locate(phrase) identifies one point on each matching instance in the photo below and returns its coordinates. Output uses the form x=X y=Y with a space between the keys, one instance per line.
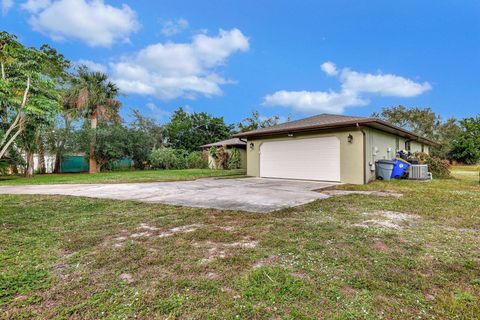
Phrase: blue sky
x=294 y=58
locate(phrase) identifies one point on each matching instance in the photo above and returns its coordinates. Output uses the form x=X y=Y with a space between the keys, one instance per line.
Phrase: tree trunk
x=29 y=169
x=58 y=160
x=41 y=156
x=92 y=161
x=2 y=66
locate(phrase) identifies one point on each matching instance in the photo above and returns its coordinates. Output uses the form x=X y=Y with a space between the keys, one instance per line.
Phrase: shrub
x=438 y=167
x=165 y=158
x=422 y=157
x=3 y=167
x=168 y=158
x=196 y=160
x=234 y=161
x=181 y=156
x=221 y=157
x=213 y=152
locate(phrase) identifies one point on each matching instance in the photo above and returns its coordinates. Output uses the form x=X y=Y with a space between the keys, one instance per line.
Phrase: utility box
x=419 y=172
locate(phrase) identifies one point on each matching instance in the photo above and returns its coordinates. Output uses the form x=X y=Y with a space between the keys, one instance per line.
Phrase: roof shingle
x=315 y=121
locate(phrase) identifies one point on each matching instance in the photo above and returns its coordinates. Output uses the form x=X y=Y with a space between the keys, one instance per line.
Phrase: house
x=327 y=147
x=230 y=144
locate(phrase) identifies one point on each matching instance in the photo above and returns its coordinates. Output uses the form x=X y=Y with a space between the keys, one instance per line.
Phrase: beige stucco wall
x=351 y=154
x=383 y=145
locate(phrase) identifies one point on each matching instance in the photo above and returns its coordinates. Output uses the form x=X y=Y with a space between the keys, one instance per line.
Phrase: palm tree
x=96 y=97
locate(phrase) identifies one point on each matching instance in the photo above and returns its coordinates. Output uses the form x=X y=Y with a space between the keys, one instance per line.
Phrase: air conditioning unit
x=419 y=172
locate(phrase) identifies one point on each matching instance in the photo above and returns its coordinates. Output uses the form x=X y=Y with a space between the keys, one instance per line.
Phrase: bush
x=438 y=167
x=466 y=147
x=165 y=158
x=422 y=157
x=234 y=160
x=168 y=158
x=196 y=160
x=221 y=157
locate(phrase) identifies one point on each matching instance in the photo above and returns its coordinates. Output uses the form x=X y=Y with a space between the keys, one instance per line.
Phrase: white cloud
x=90 y=21
x=354 y=85
x=6 y=6
x=314 y=101
x=382 y=84
x=329 y=68
x=172 y=27
x=92 y=66
x=171 y=70
x=34 y=6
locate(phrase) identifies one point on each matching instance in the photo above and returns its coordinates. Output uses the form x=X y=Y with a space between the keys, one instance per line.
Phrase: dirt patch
x=231 y=292
x=127 y=277
x=226 y=228
x=183 y=229
x=220 y=250
x=300 y=275
x=380 y=246
x=266 y=262
x=336 y=193
x=212 y=275
x=140 y=234
x=148 y=227
x=147 y=231
x=462 y=230
x=387 y=220
x=348 y=291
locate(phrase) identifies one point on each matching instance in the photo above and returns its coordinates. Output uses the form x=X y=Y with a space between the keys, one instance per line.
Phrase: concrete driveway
x=248 y=194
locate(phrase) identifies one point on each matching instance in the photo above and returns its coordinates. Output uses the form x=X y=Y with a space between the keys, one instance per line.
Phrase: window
x=407 y=145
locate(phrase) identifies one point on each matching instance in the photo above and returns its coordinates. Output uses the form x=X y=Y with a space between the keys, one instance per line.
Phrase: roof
x=229 y=142
x=332 y=121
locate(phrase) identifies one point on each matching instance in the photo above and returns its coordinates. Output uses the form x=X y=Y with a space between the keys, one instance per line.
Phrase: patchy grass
x=69 y=257
x=120 y=176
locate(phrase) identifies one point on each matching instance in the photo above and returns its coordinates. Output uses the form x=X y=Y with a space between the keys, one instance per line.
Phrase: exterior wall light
x=350 y=138
x=290 y=135
x=252 y=145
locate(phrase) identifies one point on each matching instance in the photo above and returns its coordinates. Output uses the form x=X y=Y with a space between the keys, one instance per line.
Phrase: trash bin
x=399 y=168
x=384 y=169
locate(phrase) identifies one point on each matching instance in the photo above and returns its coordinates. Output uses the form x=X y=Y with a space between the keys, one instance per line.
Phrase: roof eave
x=369 y=122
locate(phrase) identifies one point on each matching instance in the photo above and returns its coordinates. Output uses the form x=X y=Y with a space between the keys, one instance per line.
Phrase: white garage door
x=307 y=159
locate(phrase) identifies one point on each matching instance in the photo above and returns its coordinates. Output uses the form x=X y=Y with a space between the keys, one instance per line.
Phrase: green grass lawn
x=349 y=257
x=119 y=176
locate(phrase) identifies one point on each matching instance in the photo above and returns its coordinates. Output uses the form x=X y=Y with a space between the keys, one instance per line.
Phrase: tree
x=29 y=91
x=447 y=132
x=111 y=143
x=426 y=123
x=96 y=97
x=255 y=121
x=149 y=126
x=466 y=147
x=189 y=131
x=422 y=121
x=144 y=136
x=60 y=138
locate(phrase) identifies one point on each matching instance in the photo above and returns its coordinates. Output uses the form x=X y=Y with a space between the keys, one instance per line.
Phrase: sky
x=287 y=58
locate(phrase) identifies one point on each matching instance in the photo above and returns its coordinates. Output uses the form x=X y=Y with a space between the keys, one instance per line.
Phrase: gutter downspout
x=364 y=154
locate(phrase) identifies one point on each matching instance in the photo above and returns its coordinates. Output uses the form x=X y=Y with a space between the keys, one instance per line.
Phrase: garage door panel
x=309 y=159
